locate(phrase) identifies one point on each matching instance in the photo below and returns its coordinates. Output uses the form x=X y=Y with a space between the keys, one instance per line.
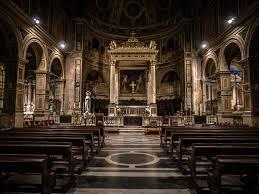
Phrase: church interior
x=136 y=96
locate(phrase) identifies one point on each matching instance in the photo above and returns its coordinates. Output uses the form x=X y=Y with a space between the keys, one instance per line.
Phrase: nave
x=132 y=163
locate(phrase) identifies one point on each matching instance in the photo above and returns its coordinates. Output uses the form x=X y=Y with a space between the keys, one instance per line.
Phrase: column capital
x=152 y=62
x=113 y=63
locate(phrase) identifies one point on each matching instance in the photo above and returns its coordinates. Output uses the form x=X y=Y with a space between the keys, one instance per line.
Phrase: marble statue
x=88 y=102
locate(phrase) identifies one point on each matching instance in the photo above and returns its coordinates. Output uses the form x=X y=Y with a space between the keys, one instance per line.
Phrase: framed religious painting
x=132 y=82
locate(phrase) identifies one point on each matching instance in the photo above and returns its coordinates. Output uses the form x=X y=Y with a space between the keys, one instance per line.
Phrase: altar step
x=131 y=129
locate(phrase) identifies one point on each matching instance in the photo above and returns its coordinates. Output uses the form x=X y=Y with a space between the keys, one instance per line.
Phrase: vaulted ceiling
x=122 y=16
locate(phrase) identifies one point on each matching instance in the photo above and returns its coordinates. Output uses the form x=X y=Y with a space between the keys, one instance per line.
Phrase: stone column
x=188 y=81
x=224 y=97
x=113 y=89
x=60 y=93
x=151 y=92
x=247 y=97
x=42 y=95
x=19 y=102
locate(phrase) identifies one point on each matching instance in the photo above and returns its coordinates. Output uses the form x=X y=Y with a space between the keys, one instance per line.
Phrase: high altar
x=132 y=78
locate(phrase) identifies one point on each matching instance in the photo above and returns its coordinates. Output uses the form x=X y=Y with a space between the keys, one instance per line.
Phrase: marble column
x=113 y=89
x=151 y=92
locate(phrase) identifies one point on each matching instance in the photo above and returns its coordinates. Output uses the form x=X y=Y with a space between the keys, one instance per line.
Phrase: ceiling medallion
x=133 y=10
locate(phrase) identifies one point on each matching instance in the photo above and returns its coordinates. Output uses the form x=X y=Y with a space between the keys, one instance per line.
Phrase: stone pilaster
x=19 y=102
x=224 y=97
x=113 y=89
x=151 y=95
x=78 y=85
x=42 y=95
x=188 y=81
x=247 y=93
x=60 y=84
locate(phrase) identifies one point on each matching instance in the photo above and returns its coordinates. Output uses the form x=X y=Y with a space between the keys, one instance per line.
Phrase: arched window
x=2 y=84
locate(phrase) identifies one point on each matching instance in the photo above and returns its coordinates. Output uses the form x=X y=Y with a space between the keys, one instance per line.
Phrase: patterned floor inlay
x=132 y=164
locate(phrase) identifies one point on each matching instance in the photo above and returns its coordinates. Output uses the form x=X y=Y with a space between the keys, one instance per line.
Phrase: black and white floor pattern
x=132 y=164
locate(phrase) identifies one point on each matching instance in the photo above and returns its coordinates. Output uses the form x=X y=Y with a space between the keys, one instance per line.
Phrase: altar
x=132 y=80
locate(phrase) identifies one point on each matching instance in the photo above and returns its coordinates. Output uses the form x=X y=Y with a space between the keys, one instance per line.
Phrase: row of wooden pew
x=220 y=160
x=46 y=159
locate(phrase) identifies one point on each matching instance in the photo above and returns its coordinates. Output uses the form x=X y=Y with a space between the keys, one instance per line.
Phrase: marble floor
x=132 y=164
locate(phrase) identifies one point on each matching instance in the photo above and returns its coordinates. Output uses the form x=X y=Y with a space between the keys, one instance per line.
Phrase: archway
x=169 y=101
x=34 y=55
x=56 y=87
x=96 y=85
x=232 y=55
x=210 y=87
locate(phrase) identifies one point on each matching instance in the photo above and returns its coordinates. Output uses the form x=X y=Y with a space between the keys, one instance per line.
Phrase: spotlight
x=204 y=44
x=36 y=20
x=62 y=45
x=231 y=20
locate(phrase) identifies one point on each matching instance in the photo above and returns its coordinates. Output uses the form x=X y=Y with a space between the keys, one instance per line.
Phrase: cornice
x=160 y=35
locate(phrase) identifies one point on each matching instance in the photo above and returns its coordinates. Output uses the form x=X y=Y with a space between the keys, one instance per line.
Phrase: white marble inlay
x=129 y=169
x=109 y=159
x=134 y=174
x=128 y=191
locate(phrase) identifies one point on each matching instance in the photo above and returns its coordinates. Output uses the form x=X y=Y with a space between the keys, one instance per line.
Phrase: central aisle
x=132 y=164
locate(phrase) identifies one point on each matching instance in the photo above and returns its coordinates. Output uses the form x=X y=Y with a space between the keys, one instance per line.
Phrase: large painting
x=132 y=81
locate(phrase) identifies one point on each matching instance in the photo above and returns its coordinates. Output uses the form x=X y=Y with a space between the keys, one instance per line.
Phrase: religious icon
x=132 y=81
x=87 y=102
x=124 y=83
x=140 y=85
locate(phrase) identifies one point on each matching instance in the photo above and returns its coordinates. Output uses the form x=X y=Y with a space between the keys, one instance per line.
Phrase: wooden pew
x=89 y=136
x=185 y=143
x=75 y=140
x=166 y=133
x=176 y=135
x=26 y=164
x=95 y=135
x=56 y=152
x=203 y=153
x=242 y=167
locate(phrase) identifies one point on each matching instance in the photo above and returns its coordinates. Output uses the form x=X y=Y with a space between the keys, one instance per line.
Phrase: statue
x=113 y=45
x=87 y=102
x=152 y=45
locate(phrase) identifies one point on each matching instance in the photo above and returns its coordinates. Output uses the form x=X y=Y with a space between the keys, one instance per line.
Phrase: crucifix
x=132 y=34
x=132 y=87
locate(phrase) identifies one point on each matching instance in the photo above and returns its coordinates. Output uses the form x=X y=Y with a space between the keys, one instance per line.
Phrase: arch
x=209 y=57
x=56 y=68
x=38 y=48
x=234 y=40
x=210 y=69
x=10 y=22
x=55 y=57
